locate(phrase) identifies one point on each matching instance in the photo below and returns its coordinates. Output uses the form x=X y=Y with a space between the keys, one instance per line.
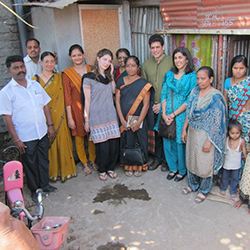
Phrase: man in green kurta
x=153 y=70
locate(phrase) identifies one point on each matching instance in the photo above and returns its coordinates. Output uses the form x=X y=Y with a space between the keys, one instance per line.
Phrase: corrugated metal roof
x=144 y=23
x=205 y=14
x=60 y=4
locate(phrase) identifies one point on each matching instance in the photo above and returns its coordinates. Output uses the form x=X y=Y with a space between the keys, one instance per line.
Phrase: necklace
x=179 y=75
x=232 y=143
x=46 y=77
x=129 y=80
x=239 y=80
x=80 y=71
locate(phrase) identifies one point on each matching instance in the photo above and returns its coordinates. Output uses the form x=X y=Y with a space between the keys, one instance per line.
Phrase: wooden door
x=100 y=29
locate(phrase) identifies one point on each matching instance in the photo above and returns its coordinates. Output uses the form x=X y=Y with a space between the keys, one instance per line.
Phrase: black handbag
x=168 y=131
x=132 y=155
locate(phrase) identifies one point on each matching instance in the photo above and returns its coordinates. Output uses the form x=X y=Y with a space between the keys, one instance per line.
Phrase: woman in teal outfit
x=180 y=80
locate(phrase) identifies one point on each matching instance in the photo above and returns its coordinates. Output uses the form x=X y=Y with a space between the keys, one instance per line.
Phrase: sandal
x=86 y=169
x=223 y=192
x=129 y=173
x=93 y=165
x=198 y=199
x=171 y=175
x=186 y=190
x=138 y=173
x=112 y=174
x=103 y=176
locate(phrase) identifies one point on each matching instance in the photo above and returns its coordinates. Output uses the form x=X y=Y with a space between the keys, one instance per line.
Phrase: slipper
x=199 y=199
x=129 y=173
x=112 y=174
x=186 y=190
x=179 y=177
x=137 y=173
x=93 y=165
x=171 y=175
x=86 y=169
x=103 y=176
x=223 y=192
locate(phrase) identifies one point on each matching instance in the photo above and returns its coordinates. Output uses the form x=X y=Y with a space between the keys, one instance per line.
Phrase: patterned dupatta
x=238 y=96
x=209 y=115
x=74 y=77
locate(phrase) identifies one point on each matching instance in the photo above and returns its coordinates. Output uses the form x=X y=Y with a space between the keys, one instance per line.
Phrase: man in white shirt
x=24 y=107
x=31 y=60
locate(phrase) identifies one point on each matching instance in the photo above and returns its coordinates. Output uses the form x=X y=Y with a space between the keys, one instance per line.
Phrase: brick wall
x=9 y=45
x=9 y=40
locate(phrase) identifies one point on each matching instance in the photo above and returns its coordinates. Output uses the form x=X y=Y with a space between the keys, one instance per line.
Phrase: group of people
x=107 y=109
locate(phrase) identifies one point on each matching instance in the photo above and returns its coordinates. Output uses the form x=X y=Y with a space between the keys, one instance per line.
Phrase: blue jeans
x=233 y=175
x=203 y=185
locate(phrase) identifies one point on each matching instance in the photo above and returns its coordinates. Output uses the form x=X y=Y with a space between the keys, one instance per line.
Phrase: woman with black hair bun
x=134 y=101
x=62 y=164
x=72 y=82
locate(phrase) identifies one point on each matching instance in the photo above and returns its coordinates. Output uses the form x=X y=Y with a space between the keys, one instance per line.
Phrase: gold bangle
x=16 y=140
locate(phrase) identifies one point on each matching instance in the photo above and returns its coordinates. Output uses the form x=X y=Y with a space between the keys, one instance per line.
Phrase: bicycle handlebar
x=18 y=207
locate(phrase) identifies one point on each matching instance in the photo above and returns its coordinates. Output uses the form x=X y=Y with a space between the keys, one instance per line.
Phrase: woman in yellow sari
x=62 y=164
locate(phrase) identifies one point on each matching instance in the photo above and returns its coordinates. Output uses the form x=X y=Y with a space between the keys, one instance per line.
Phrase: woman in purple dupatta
x=134 y=98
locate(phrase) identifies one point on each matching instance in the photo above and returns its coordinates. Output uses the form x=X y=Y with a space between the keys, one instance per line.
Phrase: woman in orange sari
x=72 y=81
x=62 y=164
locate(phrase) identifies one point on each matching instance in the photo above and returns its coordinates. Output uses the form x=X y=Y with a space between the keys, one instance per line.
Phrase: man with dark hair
x=31 y=60
x=24 y=107
x=153 y=70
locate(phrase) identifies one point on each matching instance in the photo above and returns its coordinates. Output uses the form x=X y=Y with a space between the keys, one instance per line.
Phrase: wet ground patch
x=116 y=195
x=112 y=246
x=98 y=212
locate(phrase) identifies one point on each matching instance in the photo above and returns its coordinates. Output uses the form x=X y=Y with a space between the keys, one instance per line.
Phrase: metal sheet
x=205 y=14
x=145 y=22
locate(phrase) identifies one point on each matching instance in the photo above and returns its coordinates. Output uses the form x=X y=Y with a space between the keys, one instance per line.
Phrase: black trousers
x=159 y=152
x=107 y=154
x=35 y=161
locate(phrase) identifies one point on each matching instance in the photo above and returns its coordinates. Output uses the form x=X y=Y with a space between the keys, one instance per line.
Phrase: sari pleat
x=131 y=100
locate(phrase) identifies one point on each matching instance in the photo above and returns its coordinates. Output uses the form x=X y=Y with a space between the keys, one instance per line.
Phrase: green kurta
x=154 y=73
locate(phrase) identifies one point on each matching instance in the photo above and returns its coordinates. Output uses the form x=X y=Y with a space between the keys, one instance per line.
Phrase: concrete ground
x=148 y=212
